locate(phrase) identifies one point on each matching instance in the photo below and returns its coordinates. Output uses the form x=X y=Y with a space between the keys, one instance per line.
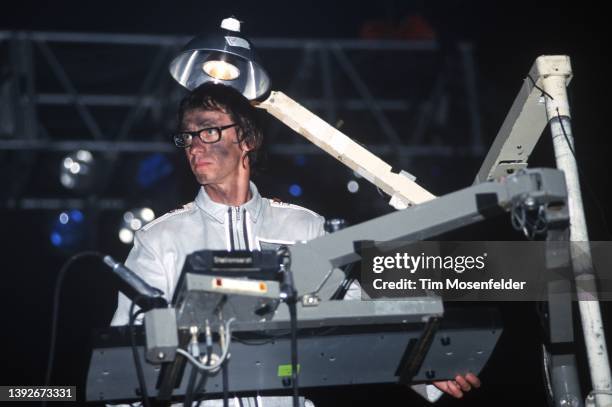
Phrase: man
x=218 y=130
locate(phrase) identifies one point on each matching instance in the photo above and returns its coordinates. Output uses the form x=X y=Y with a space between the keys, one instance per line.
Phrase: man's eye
x=210 y=132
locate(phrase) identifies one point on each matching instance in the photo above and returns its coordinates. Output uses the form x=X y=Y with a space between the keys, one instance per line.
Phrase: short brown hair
x=211 y=96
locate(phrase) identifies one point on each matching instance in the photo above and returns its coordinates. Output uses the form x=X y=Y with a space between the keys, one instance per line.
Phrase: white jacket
x=161 y=246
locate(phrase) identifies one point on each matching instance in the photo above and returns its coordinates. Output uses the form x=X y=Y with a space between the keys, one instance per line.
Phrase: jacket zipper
x=235 y=241
x=245 y=230
x=231 y=229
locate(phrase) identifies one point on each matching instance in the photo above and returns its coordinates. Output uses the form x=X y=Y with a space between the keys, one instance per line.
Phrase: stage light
x=76 y=171
x=132 y=221
x=223 y=57
x=295 y=190
x=352 y=186
x=68 y=230
x=126 y=236
x=221 y=70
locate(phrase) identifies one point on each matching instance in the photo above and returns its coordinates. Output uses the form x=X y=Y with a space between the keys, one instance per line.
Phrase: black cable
x=55 y=314
x=290 y=296
x=539 y=88
x=139 y=371
x=346 y=283
x=225 y=379
x=200 y=386
x=189 y=392
x=567 y=140
x=569 y=144
x=294 y=355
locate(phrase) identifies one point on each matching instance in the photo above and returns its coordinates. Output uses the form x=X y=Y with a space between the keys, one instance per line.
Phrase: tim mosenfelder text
x=457 y=264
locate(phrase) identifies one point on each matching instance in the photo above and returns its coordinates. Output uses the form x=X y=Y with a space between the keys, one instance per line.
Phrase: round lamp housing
x=226 y=58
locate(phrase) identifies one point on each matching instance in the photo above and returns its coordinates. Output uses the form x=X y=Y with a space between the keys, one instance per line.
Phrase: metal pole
x=558 y=115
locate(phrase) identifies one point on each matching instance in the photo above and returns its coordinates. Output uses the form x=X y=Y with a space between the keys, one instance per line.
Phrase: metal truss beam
x=280 y=149
x=58 y=204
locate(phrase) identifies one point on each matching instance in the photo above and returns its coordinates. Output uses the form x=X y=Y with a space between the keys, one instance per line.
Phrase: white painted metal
x=553 y=73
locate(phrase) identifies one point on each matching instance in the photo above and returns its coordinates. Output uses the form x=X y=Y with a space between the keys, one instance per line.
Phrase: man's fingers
x=465 y=386
x=443 y=386
x=450 y=387
x=473 y=379
x=454 y=389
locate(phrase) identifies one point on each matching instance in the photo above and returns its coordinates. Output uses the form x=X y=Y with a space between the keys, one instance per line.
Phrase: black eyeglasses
x=208 y=135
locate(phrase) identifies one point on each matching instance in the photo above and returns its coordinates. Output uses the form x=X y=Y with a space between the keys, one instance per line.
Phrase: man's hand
x=461 y=384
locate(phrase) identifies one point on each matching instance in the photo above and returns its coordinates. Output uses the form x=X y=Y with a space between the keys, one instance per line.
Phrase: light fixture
x=352 y=186
x=295 y=190
x=223 y=57
x=76 y=170
x=229 y=59
x=221 y=70
x=68 y=230
x=132 y=221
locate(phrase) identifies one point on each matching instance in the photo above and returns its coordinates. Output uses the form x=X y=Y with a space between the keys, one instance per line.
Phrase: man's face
x=219 y=162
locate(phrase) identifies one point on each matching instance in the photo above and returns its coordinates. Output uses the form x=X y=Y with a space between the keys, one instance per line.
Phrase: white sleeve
x=147 y=264
x=428 y=391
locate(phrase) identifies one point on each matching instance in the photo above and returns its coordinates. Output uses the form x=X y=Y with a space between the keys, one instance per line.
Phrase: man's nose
x=198 y=145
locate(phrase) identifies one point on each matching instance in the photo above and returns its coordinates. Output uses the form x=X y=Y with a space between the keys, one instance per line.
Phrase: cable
x=539 y=88
x=290 y=296
x=294 y=358
x=569 y=144
x=224 y=368
x=139 y=371
x=225 y=381
x=520 y=220
x=55 y=314
x=198 y=364
x=189 y=392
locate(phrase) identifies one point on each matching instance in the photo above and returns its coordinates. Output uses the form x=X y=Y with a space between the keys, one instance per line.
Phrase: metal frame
x=325 y=58
x=543 y=100
x=311 y=261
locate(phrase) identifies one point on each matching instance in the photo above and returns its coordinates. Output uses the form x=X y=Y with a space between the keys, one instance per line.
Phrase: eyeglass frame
x=196 y=133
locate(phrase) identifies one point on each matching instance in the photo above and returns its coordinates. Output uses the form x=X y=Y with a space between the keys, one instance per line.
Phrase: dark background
x=506 y=40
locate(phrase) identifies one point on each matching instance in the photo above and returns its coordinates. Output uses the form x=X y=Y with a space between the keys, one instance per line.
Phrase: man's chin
x=203 y=179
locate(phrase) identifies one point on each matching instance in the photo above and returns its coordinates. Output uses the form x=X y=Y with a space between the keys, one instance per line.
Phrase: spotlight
x=68 y=230
x=221 y=70
x=76 y=171
x=224 y=57
x=295 y=190
x=132 y=221
x=352 y=186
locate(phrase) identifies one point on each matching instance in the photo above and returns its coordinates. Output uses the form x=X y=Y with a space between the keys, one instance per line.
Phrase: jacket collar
x=218 y=210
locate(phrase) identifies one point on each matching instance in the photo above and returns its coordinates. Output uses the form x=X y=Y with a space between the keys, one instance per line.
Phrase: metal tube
x=558 y=114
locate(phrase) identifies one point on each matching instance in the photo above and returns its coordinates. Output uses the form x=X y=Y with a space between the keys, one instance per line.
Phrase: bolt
x=161 y=355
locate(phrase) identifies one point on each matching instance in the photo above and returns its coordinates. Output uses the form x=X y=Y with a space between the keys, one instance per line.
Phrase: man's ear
x=245 y=144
